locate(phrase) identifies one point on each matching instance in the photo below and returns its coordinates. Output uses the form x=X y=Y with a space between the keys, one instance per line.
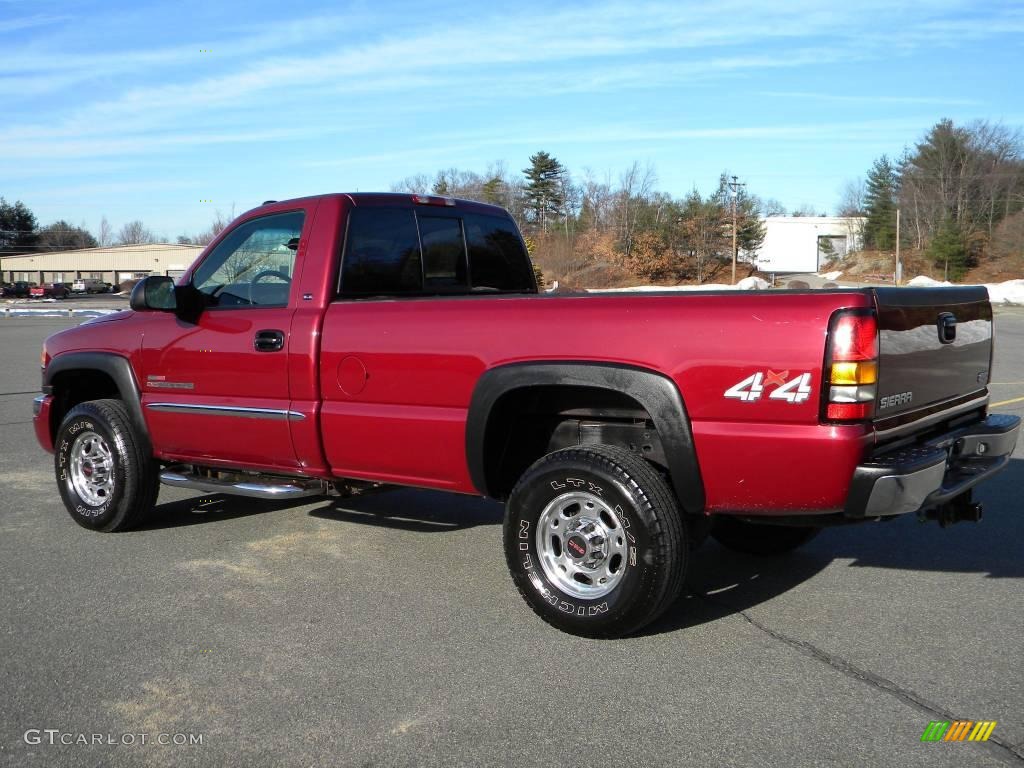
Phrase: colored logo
x=958 y=730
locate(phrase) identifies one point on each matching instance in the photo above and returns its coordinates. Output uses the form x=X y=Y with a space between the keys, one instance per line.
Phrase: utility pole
x=734 y=185
x=898 y=277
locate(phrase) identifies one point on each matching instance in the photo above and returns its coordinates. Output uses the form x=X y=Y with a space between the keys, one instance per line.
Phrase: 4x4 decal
x=795 y=390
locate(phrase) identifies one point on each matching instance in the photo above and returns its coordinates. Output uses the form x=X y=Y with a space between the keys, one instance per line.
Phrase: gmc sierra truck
x=340 y=343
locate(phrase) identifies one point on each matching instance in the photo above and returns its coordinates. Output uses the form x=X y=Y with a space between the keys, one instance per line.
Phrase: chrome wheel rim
x=581 y=545
x=92 y=468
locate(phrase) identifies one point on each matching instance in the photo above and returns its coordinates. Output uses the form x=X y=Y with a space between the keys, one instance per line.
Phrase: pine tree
x=949 y=252
x=545 y=197
x=882 y=191
x=493 y=190
x=62 y=236
x=17 y=227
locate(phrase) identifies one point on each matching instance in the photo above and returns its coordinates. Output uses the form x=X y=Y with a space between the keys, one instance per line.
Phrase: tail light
x=851 y=366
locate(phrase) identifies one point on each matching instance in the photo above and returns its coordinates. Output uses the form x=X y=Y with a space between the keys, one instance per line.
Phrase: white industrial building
x=114 y=264
x=805 y=243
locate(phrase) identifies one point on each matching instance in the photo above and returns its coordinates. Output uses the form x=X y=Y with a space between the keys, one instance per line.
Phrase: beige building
x=113 y=265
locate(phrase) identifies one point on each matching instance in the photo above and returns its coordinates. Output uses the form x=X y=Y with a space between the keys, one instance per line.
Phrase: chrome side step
x=256 y=486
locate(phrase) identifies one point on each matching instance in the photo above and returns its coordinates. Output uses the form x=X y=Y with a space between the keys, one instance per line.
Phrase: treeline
x=576 y=224
x=960 y=195
x=20 y=232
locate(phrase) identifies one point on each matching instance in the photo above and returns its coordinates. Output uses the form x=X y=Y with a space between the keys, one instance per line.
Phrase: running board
x=259 y=487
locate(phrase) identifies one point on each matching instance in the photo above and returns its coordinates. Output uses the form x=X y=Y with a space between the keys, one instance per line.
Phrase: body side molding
x=657 y=393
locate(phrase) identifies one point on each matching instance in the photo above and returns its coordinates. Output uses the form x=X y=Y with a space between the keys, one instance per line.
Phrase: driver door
x=216 y=392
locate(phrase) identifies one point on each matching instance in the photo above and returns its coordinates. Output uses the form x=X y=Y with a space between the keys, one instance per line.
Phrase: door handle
x=268 y=341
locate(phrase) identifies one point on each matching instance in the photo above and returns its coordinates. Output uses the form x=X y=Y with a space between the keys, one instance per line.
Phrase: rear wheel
x=759 y=539
x=595 y=541
x=105 y=480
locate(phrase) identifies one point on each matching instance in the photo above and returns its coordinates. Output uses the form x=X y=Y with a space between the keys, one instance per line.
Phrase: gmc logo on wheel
x=891 y=401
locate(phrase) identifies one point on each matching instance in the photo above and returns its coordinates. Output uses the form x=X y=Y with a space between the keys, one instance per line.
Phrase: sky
x=170 y=112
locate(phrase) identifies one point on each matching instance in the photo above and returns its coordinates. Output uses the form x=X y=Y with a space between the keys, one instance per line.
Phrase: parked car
x=18 y=290
x=89 y=285
x=50 y=291
x=332 y=344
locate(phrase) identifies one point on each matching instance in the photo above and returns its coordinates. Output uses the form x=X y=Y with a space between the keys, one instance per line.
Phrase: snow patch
x=925 y=282
x=751 y=283
x=1008 y=292
x=831 y=275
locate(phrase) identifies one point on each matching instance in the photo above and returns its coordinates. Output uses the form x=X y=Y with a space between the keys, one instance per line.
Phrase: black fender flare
x=657 y=393
x=119 y=370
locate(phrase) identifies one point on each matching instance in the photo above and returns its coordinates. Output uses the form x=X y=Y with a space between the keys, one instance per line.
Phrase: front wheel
x=106 y=481
x=595 y=541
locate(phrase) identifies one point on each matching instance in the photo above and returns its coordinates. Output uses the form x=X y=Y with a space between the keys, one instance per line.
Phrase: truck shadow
x=404 y=508
x=414 y=510
x=722 y=583
x=211 y=508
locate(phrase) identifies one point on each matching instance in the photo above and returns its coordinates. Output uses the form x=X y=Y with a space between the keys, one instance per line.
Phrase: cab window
x=254 y=265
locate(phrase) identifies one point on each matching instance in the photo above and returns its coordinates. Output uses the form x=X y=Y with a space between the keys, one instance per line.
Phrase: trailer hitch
x=960 y=509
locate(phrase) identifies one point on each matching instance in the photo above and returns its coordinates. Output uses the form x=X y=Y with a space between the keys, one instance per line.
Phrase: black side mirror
x=155 y=292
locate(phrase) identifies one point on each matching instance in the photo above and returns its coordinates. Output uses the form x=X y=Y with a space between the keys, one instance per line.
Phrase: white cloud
x=154 y=98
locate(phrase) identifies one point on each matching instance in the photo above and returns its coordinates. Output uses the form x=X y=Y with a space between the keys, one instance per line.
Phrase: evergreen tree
x=545 y=196
x=881 y=194
x=17 y=228
x=949 y=252
x=493 y=190
x=750 y=229
x=61 y=236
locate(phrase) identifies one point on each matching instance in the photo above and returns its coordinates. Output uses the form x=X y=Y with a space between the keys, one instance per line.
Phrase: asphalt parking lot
x=387 y=632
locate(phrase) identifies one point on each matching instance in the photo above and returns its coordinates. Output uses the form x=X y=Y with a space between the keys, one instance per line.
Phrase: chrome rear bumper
x=934 y=472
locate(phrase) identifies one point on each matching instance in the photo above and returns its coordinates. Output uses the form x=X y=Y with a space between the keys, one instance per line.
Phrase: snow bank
x=752 y=284
x=1009 y=292
x=746 y=284
x=922 y=281
x=16 y=311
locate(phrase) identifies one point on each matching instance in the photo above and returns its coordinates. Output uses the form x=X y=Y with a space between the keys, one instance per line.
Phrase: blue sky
x=117 y=108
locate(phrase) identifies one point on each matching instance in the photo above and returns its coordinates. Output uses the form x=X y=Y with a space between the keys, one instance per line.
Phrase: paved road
x=386 y=632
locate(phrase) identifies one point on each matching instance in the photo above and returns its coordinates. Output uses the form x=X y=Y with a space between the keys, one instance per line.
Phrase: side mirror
x=155 y=292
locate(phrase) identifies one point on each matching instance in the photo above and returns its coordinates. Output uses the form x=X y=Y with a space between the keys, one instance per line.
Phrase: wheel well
x=77 y=386
x=529 y=422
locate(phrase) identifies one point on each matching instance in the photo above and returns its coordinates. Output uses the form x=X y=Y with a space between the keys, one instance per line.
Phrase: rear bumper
x=932 y=473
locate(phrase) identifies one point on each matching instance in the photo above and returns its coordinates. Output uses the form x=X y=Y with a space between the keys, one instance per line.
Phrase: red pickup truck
x=334 y=344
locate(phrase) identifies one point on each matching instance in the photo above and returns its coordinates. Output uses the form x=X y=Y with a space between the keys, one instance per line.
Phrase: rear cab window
x=412 y=252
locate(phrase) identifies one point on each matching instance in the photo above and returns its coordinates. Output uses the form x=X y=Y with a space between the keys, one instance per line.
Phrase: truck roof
x=398 y=199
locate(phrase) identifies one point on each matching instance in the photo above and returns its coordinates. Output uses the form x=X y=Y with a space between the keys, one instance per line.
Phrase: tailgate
x=935 y=350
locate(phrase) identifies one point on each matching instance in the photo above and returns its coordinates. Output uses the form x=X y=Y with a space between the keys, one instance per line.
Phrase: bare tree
x=135 y=233
x=635 y=187
x=419 y=184
x=851 y=198
x=105 y=235
x=805 y=209
x=770 y=207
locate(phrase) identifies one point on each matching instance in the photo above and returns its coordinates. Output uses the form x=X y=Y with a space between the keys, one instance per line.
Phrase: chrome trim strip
x=228 y=410
x=927 y=421
x=37 y=404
